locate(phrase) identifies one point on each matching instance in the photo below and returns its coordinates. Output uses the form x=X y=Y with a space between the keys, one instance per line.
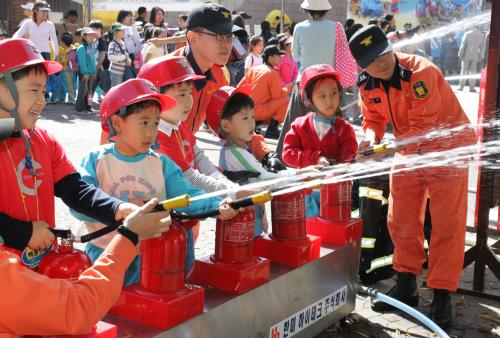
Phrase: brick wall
x=15 y=14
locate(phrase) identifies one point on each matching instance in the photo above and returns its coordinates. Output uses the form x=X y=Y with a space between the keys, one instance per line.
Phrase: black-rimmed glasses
x=219 y=37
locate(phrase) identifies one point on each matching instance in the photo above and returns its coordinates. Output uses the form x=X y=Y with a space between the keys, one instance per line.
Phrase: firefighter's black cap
x=367 y=44
x=213 y=17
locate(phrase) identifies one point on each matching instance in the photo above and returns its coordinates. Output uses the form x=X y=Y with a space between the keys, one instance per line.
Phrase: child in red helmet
x=33 y=164
x=322 y=136
x=174 y=77
x=230 y=115
x=34 y=169
x=129 y=170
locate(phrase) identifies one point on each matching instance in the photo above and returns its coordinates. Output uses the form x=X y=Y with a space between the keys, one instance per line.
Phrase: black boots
x=273 y=130
x=405 y=291
x=441 y=308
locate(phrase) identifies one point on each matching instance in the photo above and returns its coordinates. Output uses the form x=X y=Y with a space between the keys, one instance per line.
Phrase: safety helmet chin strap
x=18 y=123
x=111 y=130
x=311 y=106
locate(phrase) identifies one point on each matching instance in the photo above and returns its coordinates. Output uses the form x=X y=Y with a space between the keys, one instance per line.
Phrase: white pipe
x=408 y=309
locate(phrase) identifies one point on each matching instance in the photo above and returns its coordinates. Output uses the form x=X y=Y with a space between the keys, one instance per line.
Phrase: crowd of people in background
x=452 y=53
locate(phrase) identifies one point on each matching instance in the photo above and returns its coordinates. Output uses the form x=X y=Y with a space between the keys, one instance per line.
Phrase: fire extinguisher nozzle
x=262 y=197
x=259 y=198
x=174 y=203
x=62 y=233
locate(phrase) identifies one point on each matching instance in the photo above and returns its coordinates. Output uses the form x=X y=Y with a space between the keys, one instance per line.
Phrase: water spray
x=477 y=20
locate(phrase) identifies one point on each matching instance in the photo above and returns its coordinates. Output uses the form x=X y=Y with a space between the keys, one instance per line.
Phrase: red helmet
x=218 y=102
x=167 y=70
x=130 y=92
x=19 y=53
x=313 y=73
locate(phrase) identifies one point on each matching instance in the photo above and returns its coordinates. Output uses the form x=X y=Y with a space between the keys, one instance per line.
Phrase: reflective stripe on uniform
x=426 y=245
x=373 y=194
x=380 y=262
x=367 y=243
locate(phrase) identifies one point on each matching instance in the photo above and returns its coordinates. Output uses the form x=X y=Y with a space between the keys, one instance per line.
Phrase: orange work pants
x=272 y=109
x=447 y=188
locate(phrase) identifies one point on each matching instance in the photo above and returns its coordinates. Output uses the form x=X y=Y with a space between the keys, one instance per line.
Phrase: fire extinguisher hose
x=171 y=204
x=177 y=202
x=174 y=203
x=259 y=198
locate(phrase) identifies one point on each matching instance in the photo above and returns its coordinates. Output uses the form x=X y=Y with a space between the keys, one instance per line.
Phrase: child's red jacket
x=303 y=148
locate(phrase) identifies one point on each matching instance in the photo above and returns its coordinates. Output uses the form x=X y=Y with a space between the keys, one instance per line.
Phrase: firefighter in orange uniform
x=210 y=39
x=410 y=92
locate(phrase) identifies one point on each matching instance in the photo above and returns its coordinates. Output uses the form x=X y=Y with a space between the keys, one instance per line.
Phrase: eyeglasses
x=219 y=37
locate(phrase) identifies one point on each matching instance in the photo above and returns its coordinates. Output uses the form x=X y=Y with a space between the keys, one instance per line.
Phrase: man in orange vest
x=210 y=39
x=410 y=92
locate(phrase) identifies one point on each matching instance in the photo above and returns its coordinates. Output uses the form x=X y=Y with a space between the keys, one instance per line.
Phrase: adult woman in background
x=42 y=32
x=117 y=55
x=131 y=36
x=157 y=19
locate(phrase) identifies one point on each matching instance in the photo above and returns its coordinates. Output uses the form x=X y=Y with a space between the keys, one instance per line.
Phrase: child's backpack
x=72 y=61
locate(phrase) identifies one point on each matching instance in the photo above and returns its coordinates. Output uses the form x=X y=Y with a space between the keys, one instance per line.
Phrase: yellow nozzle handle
x=380 y=148
x=376 y=149
x=174 y=203
x=262 y=197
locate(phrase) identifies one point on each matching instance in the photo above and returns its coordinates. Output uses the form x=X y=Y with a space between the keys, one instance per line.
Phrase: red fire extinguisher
x=288 y=215
x=163 y=261
x=234 y=238
x=335 y=201
x=65 y=262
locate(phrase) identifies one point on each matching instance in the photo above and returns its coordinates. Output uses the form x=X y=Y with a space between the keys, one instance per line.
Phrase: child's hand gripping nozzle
x=259 y=198
x=174 y=203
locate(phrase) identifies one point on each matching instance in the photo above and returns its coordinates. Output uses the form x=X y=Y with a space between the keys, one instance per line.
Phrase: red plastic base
x=232 y=278
x=290 y=253
x=160 y=310
x=335 y=232
x=101 y=330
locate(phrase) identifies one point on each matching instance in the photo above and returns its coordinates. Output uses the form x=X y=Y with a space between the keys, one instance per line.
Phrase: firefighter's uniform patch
x=420 y=89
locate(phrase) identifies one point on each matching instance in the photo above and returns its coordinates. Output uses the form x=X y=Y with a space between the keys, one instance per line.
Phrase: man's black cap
x=271 y=50
x=367 y=44
x=245 y=15
x=213 y=17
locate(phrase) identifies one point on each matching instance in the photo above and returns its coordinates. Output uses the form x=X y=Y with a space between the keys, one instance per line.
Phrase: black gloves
x=272 y=162
x=241 y=176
